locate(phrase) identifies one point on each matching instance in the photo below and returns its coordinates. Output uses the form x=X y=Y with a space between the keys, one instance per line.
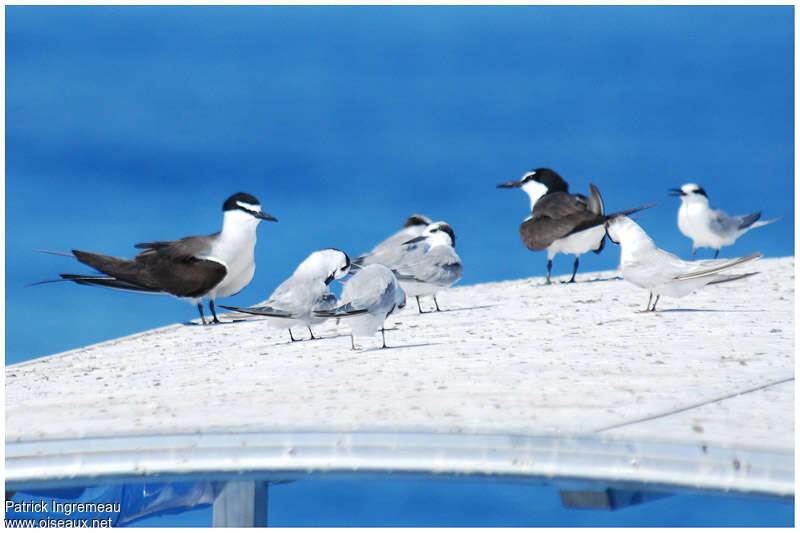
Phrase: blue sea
x=128 y=124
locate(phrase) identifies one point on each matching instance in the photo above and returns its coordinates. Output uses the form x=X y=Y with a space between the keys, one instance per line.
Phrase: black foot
x=213 y=312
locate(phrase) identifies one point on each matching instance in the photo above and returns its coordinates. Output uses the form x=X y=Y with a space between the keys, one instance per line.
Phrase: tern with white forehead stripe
x=196 y=267
x=709 y=227
x=294 y=301
x=561 y=222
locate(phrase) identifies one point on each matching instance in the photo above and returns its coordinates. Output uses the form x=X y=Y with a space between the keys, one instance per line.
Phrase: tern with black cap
x=432 y=265
x=561 y=222
x=194 y=268
x=709 y=227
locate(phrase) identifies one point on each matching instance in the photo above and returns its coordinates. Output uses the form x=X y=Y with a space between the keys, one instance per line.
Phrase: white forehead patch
x=249 y=207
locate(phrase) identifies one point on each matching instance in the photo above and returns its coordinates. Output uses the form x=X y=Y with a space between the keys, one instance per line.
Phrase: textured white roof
x=704 y=388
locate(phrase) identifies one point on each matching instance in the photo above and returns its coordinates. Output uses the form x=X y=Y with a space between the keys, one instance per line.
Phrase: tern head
x=437 y=233
x=241 y=202
x=538 y=182
x=621 y=230
x=417 y=220
x=690 y=192
x=327 y=265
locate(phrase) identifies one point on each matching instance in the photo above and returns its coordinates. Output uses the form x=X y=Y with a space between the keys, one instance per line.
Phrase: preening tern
x=307 y=290
x=660 y=272
x=368 y=297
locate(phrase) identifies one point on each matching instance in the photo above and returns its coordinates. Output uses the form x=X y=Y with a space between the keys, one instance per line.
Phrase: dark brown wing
x=178 y=249
x=554 y=216
x=185 y=276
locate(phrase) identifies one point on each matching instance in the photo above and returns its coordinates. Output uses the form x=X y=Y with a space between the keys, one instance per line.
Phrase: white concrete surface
x=711 y=373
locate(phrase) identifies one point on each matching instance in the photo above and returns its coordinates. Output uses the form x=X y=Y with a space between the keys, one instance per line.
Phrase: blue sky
x=128 y=124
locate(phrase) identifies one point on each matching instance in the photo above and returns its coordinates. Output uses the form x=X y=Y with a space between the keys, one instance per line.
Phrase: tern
x=663 y=273
x=368 y=298
x=307 y=290
x=561 y=222
x=193 y=268
x=432 y=266
x=709 y=227
x=392 y=248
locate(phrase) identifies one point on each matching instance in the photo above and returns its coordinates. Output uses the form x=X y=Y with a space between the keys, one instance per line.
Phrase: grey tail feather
x=345 y=310
x=748 y=220
x=760 y=223
x=263 y=311
x=406 y=277
x=55 y=253
x=720 y=267
x=733 y=277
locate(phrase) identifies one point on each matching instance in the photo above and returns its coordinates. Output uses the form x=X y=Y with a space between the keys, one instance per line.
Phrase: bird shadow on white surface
x=220 y=323
x=682 y=310
x=380 y=349
x=613 y=278
x=434 y=311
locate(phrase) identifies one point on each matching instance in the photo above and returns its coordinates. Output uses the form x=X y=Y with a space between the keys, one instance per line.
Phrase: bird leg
x=647 y=307
x=574 y=271
x=652 y=309
x=549 y=268
x=437 y=303
x=716 y=254
x=694 y=250
x=311 y=332
x=213 y=312
x=200 y=308
x=383 y=334
x=291 y=336
x=352 y=342
x=418 y=305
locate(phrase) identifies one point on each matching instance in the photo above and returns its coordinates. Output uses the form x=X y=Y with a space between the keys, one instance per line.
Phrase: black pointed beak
x=263 y=216
x=676 y=192
x=415 y=239
x=510 y=185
